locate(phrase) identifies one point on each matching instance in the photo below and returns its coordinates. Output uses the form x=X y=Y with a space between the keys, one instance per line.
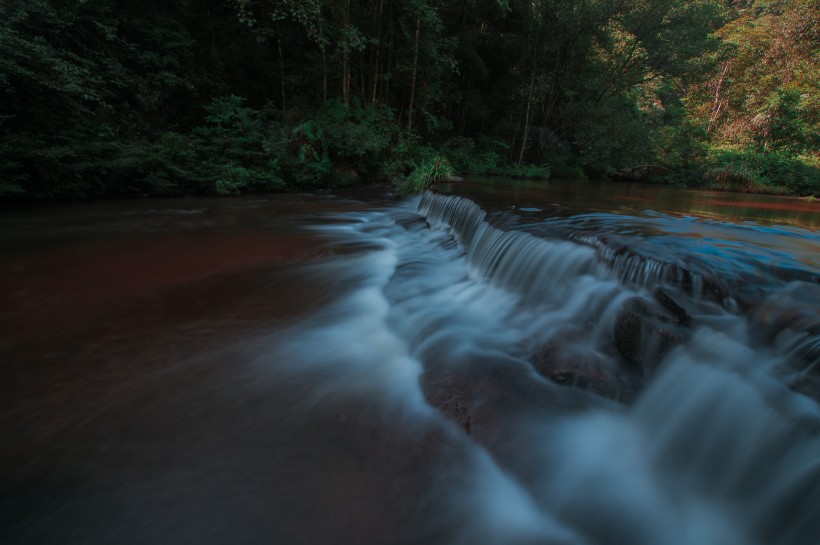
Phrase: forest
x=119 y=98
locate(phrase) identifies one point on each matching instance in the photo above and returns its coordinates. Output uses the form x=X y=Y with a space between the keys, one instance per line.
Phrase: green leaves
x=214 y=97
x=762 y=172
x=432 y=170
x=759 y=100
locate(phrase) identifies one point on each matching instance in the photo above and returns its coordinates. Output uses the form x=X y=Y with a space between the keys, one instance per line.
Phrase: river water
x=496 y=363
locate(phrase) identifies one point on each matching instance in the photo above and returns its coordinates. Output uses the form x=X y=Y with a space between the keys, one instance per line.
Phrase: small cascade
x=622 y=395
x=644 y=272
x=802 y=364
x=764 y=471
x=581 y=325
x=537 y=268
x=608 y=316
x=527 y=263
x=428 y=372
x=788 y=319
x=558 y=391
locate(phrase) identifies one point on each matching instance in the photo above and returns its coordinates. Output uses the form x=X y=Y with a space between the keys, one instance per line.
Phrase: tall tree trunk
x=410 y=110
x=378 y=51
x=534 y=62
x=718 y=104
x=324 y=74
x=210 y=27
x=346 y=76
x=387 y=87
x=281 y=73
x=362 y=79
x=526 y=134
x=508 y=155
x=346 y=55
x=375 y=89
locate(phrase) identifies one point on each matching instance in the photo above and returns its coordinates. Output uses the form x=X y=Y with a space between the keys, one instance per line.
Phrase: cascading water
x=310 y=369
x=507 y=345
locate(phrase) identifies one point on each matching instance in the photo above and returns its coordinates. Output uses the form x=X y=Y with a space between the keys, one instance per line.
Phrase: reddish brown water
x=127 y=416
x=250 y=371
x=569 y=197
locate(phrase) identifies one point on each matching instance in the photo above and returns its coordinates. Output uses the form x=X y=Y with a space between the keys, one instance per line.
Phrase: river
x=498 y=362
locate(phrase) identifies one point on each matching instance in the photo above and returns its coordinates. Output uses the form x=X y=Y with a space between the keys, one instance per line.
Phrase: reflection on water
x=563 y=197
x=750 y=244
x=578 y=365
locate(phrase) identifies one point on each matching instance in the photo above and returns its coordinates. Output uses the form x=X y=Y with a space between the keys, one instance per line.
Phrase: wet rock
x=640 y=173
x=644 y=333
x=485 y=396
x=806 y=383
x=645 y=271
x=790 y=320
x=451 y=397
x=795 y=308
x=413 y=222
x=674 y=305
x=566 y=360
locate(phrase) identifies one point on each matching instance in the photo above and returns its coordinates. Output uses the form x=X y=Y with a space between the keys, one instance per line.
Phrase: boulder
x=645 y=332
x=795 y=308
x=640 y=173
x=413 y=222
x=790 y=320
x=565 y=359
x=675 y=304
x=451 y=179
x=451 y=396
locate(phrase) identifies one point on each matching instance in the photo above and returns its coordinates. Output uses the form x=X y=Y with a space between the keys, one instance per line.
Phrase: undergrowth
x=432 y=170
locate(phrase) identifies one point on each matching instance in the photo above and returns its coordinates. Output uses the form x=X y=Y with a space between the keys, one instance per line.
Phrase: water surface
x=532 y=364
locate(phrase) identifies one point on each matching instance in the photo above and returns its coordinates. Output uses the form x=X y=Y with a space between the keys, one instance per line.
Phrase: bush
x=749 y=171
x=608 y=134
x=358 y=135
x=431 y=171
x=469 y=158
x=335 y=144
x=225 y=156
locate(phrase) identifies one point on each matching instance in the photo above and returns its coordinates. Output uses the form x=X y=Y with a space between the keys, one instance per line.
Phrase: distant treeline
x=132 y=98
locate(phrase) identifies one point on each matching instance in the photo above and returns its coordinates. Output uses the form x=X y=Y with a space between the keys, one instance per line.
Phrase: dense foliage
x=759 y=107
x=120 y=97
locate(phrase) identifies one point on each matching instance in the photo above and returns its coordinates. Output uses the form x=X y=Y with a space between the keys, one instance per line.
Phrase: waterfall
x=538 y=269
x=422 y=371
x=562 y=437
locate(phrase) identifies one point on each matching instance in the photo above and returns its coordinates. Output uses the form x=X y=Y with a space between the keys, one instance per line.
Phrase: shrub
x=752 y=171
x=467 y=157
x=431 y=171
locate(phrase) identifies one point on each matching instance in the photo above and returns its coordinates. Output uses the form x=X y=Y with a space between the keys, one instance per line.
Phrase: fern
x=432 y=170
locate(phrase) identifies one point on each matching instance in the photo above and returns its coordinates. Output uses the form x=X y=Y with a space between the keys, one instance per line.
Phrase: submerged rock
x=451 y=397
x=640 y=173
x=484 y=394
x=790 y=320
x=677 y=306
x=412 y=222
x=566 y=360
x=645 y=332
x=795 y=308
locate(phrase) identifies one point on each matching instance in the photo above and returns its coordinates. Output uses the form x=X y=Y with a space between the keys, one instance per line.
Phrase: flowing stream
x=493 y=366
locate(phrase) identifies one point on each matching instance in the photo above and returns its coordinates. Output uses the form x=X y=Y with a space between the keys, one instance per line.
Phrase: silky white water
x=436 y=327
x=311 y=369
